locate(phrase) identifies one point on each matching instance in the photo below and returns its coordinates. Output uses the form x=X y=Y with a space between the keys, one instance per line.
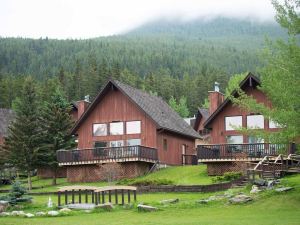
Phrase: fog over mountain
x=93 y=18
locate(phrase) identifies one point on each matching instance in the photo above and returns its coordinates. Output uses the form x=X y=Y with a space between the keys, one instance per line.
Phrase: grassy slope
x=268 y=209
x=179 y=175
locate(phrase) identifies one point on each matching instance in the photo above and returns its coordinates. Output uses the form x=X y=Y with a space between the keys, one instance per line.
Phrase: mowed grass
x=185 y=175
x=268 y=208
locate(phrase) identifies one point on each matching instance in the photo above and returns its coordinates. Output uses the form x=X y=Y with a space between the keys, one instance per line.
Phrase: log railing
x=238 y=151
x=139 y=153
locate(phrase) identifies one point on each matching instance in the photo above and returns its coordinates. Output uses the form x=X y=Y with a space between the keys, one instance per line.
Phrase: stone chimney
x=82 y=105
x=215 y=98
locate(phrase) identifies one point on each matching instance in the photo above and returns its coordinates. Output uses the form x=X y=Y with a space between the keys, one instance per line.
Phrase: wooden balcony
x=107 y=155
x=240 y=152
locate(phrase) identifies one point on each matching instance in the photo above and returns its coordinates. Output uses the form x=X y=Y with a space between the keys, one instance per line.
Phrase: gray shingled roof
x=157 y=109
x=204 y=112
x=6 y=116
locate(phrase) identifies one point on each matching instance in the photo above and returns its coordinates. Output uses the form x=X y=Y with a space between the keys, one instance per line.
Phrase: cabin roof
x=6 y=116
x=249 y=81
x=154 y=107
x=202 y=113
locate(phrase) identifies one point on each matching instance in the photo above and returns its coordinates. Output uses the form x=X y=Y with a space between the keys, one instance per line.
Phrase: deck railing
x=237 y=151
x=137 y=153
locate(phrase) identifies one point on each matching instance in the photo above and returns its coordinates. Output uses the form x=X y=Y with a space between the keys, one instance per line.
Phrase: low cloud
x=93 y=18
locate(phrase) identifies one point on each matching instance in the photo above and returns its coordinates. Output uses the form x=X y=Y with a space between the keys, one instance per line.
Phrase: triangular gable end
x=250 y=80
x=109 y=86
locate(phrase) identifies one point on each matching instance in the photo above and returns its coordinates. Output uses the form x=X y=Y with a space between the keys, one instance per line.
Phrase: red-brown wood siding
x=1 y=140
x=218 y=133
x=173 y=154
x=116 y=107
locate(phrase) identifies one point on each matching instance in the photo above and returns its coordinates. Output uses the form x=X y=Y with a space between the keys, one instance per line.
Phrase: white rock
x=254 y=190
x=146 y=208
x=40 y=213
x=53 y=213
x=5 y=214
x=17 y=213
x=283 y=189
x=65 y=210
x=29 y=215
x=107 y=206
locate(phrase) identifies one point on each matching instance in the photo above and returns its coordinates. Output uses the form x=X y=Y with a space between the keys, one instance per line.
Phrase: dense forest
x=169 y=58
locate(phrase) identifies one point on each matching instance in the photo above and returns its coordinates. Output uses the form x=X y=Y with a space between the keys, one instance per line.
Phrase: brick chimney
x=215 y=98
x=82 y=105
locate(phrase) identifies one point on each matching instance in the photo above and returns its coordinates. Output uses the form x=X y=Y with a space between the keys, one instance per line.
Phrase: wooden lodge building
x=224 y=148
x=129 y=128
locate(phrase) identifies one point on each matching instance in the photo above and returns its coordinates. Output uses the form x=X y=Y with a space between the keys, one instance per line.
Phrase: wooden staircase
x=270 y=168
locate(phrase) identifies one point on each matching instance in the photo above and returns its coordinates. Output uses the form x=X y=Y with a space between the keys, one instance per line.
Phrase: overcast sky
x=92 y=18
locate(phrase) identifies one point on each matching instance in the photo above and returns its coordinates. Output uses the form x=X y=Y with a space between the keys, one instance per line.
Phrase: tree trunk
x=29 y=181
x=54 y=176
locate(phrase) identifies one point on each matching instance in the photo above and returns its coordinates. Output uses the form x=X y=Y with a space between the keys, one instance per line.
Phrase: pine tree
x=23 y=141
x=56 y=123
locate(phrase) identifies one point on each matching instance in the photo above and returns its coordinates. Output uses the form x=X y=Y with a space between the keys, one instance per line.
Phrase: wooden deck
x=107 y=155
x=250 y=159
x=239 y=152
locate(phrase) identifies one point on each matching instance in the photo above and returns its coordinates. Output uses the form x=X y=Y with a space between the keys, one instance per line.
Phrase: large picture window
x=99 y=129
x=133 y=127
x=235 y=139
x=116 y=128
x=233 y=122
x=255 y=122
x=133 y=142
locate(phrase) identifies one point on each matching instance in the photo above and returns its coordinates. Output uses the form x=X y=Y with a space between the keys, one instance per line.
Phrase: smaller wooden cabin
x=129 y=127
x=229 y=150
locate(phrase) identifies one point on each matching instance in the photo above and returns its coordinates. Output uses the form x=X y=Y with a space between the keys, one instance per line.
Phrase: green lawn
x=178 y=175
x=268 y=208
x=186 y=175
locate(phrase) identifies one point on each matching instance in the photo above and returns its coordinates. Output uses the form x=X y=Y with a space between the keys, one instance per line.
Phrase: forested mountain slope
x=170 y=58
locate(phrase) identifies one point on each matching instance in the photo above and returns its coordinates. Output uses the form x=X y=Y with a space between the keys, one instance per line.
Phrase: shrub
x=229 y=176
x=16 y=194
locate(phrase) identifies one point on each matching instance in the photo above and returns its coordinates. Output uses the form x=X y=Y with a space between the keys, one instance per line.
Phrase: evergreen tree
x=56 y=123
x=23 y=141
x=180 y=107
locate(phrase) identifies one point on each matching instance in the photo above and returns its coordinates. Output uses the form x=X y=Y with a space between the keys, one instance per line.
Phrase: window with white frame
x=133 y=142
x=118 y=143
x=273 y=124
x=116 y=128
x=99 y=129
x=133 y=127
x=234 y=139
x=233 y=122
x=255 y=122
